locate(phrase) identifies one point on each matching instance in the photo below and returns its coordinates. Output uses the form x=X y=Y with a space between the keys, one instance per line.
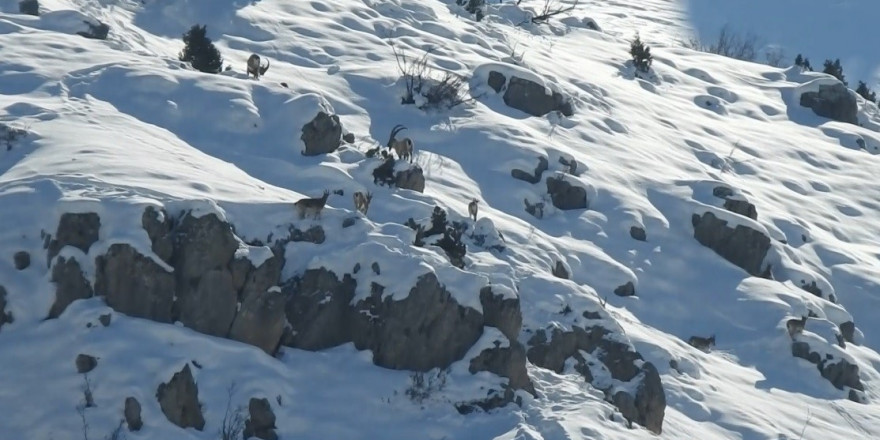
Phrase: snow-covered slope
x=119 y=124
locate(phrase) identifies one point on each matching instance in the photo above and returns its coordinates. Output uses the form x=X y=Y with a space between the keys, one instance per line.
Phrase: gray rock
x=29 y=7
x=496 y=81
x=412 y=178
x=77 y=230
x=842 y=374
x=376 y=269
x=132 y=413
x=638 y=233
x=566 y=196
x=650 y=400
x=501 y=313
x=5 y=317
x=158 y=227
x=179 y=400
x=201 y=244
x=70 y=285
x=322 y=135
x=239 y=269
x=105 y=319
x=800 y=349
x=260 y=321
x=318 y=310
x=261 y=423
x=847 y=330
x=85 y=363
x=536 y=175
x=22 y=260
x=559 y=271
x=348 y=138
x=349 y=222
x=741 y=207
x=833 y=102
x=722 y=192
x=742 y=246
x=509 y=362
x=812 y=288
x=96 y=31
x=134 y=284
x=314 y=234
x=210 y=309
x=428 y=329
x=532 y=98
x=628 y=289
x=259 y=280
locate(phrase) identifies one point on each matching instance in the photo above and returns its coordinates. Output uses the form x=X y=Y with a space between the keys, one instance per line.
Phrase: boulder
x=22 y=260
x=841 y=374
x=314 y=234
x=158 y=227
x=833 y=102
x=559 y=271
x=628 y=289
x=566 y=196
x=318 y=310
x=134 y=284
x=496 y=81
x=179 y=400
x=501 y=313
x=742 y=246
x=638 y=233
x=201 y=244
x=96 y=31
x=412 y=178
x=211 y=308
x=261 y=423
x=322 y=135
x=509 y=362
x=259 y=280
x=535 y=176
x=77 y=230
x=847 y=330
x=29 y=7
x=5 y=317
x=70 y=285
x=260 y=320
x=741 y=207
x=85 y=363
x=132 y=413
x=529 y=96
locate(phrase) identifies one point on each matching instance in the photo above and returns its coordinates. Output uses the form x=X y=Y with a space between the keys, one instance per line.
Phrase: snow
x=118 y=125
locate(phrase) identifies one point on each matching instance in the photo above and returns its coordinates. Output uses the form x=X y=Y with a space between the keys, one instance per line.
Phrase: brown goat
x=255 y=67
x=362 y=201
x=403 y=147
x=309 y=206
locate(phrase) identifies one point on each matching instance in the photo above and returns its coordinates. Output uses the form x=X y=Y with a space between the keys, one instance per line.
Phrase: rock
x=741 y=207
x=105 y=319
x=742 y=246
x=261 y=423
x=348 y=138
x=97 y=31
x=501 y=313
x=240 y=267
x=375 y=267
x=833 y=102
x=638 y=233
x=29 y=7
x=158 y=227
x=322 y=135
x=812 y=288
x=496 y=81
x=559 y=271
x=134 y=284
x=132 y=413
x=260 y=321
x=650 y=400
x=842 y=374
x=628 y=289
x=22 y=260
x=412 y=178
x=259 y=280
x=201 y=244
x=5 y=317
x=566 y=196
x=318 y=310
x=85 y=363
x=349 y=222
x=427 y=329
x=77 y=230
x=535 y=177
x=847 y=330
x=509 y=362
x=70 y=285
x=722 y=192
x=179 y=400
x=800 y=349
x=384 y=174
x=533 y=98
x=210 y=309
x=314 y=234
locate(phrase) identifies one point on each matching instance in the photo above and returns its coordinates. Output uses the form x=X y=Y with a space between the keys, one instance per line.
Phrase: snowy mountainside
x=119 y=125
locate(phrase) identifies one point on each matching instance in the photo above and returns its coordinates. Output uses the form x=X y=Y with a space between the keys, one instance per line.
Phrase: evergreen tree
x=641 y=55
x=866 y=92
x=834 y=69
x=200 y=52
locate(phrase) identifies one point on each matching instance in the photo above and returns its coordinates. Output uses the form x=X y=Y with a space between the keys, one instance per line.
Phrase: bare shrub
x=729 y=43
x=550 y=9
x=424 y=385
x=775 y=57
x=433 y=89
x=233 y=419
x=10 y=135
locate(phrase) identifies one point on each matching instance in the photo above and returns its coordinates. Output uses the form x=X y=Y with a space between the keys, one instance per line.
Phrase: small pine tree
x=641 y=55
x=200 y=52
x=834 y=69
x=866 y=92
x=799 y=60
x=803 y=63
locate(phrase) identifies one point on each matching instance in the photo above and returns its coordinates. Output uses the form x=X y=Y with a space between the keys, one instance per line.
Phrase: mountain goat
x=403 y=147
x=312 y=207
x=255 y=67
x=472 y=208
x=362 y=201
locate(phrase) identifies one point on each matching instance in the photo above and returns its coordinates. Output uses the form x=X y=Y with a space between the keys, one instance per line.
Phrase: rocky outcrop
x=533 y=177
x=158 y=226
x=412 y=178
x=74 y=229
x=5 y=317
x=261 y=423
x=179 y=400
x=626 y=289
x=96 y=30
x=840 y=372
x=29 y=7
x=260 y=321
x=833 y=102
x=70 y=285
x=210 y=309
x=318 y=310
x=501 y=313
x=742 y=246
x=21 y=260
x=645 y=407
x=509 y=362
x=847 y=330
x=566 y=196
x=638 y=233
x=134 y=284
x=201 y=244
x=559 y=271
x=132 y=413
x=322 y=135
x=741 y=207
x=85 y=363
x=529 y=96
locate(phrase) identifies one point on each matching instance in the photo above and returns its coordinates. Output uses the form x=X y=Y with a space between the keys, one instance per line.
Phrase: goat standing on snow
x=312 y=207
x=403 y=147
x=472 y=208
x=796 y=326
x=255 y=67
x=362 y=201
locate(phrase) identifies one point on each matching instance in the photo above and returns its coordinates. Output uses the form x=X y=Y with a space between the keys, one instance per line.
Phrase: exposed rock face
x=566 y=196
x=529 y=96
x=5 y=317
x=833 y=102
x=259 y=280
x=742 y=246
x=559 y=271
x=646 y=407
x=22 y=260
x=134 y=284
x=85 y=363
x=70 y=285
x=210 y=309
x=509 y=362
x=847 y=330
x=261 y=423
x=314 y=234
x=77 y=230
x=322 y=135
x=318 y=310
x=501 y=313
x=638 y=233
x=535 y=176
x=179 y=400
x=412 y=178
x=841 y=373
x=30 y=7
x=132 y=413
x=201 y=244
x=158 y=226
x=97 y=31
x=628 y=289
x=260 y=321
x=741 y=207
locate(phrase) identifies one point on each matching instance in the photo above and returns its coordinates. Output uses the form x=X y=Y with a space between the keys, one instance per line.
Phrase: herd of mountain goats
x=403 y=148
